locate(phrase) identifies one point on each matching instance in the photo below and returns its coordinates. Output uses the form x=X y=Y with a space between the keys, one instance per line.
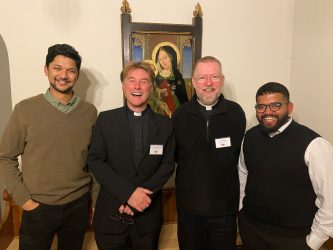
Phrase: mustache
x=65 y=79
x=275 y=116
x=209 y=88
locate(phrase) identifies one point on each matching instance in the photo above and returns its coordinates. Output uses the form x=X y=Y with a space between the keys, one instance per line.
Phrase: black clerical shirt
x=138 y=123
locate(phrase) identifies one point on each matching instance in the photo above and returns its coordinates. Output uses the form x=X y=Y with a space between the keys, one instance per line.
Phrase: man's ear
x=193 y=82
x=222 y=80
x=290 y=108
x=46 y=70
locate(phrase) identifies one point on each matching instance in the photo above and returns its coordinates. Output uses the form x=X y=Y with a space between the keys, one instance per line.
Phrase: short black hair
x=64 y=50
x=273 y=87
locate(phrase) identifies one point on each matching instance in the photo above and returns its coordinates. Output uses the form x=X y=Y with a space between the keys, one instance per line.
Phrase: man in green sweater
x=51 y=132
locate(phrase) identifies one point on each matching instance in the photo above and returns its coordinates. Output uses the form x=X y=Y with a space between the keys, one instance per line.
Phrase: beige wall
x=5 y=102
x=288 y=41
x=5 y=93
x=312 y=65
x=253 y=39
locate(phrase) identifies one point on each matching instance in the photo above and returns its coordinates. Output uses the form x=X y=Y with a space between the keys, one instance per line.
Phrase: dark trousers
x=69 y=221
x=129 y=240
x=255 y=238
x=206 y=233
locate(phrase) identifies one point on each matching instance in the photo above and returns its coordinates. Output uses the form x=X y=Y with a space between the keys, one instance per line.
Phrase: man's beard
x=280 y=122
x=67 y=90
x=209 y=99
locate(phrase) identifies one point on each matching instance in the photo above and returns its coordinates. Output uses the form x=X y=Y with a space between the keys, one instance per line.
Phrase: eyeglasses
x=274 y=106
x=204 y=79
x=124 y=219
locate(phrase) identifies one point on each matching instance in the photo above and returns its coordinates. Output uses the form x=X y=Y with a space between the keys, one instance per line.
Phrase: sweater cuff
x=21 y=197
x=315 y=241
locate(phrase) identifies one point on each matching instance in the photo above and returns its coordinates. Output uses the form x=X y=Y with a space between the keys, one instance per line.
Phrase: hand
x=140 y=199
x=30 y=205
x=126 y=209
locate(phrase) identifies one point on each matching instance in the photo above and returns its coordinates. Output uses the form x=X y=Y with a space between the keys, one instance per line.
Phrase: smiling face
x=62 y=74
x=164 y=60
x=270 y=120
x=208 y=81
x=137 y=88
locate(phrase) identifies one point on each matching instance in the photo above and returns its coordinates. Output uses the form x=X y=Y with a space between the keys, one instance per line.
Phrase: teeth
x=62 y=81
x=137 y=93
x=270 y=118
x=208 y=89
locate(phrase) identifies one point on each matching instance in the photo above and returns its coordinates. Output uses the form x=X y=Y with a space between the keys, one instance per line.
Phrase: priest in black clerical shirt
x=132 y=157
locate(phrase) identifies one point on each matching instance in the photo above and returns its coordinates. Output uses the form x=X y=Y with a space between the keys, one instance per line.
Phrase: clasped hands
x=139 y=200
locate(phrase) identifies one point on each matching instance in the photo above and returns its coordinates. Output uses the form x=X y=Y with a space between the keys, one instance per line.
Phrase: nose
x=63 y=74
x=137 y=85
x=268 y=110
x=209 y=81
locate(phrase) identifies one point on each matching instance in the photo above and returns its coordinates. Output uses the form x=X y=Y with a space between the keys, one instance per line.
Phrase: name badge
x=223 y=142
x=156 y=150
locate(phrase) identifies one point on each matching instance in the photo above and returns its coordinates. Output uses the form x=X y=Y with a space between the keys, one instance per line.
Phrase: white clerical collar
x=208 y=107
x=282 y=128
x=137 y=114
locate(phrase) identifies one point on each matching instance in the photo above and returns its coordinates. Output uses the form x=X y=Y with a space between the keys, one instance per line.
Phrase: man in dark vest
x=285 y=172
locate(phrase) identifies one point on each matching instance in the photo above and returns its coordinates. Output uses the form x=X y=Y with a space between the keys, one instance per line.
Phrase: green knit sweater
x=53 y=147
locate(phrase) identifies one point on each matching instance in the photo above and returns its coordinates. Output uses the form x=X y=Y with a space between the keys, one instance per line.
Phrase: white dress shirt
x=318 y=157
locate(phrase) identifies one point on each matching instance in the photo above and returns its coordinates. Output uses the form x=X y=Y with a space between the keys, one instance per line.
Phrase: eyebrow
x=59 y=65
x=140 y=79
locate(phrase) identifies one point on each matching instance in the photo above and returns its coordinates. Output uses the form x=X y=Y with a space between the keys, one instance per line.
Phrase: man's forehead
x=137 y=72
x=271 y=96
x=211 y=67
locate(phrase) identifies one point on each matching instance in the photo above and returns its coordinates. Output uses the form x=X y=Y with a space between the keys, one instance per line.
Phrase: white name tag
x=223 y=142
x=156 y=150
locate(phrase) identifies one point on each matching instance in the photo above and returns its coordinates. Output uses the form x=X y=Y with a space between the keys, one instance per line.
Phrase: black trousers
x=206 y=233
x=129 y=240
x=69 y=221
x=255 y=238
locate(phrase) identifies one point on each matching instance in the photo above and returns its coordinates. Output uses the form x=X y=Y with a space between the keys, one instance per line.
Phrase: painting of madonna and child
x=171 y=58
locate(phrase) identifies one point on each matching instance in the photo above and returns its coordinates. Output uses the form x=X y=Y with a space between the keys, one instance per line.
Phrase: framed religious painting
x=170 y=49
